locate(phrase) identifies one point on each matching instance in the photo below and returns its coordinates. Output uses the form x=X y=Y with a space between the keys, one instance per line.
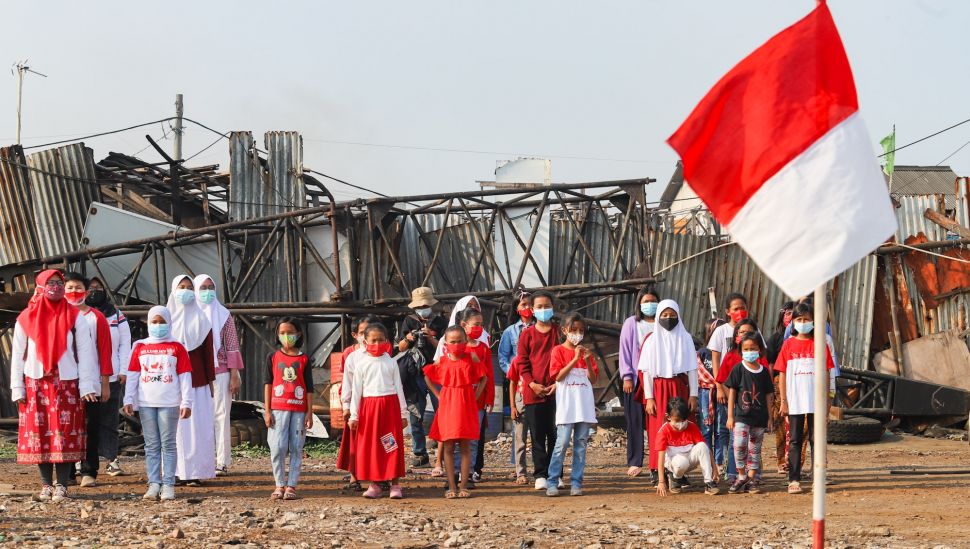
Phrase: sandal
x=353 y=486
x=437 y=472
x=277 y=494
x=794 y=487
x=450 y=495
x=521 y=480
x=290 y=493
x=634 y=471
x=464 y=494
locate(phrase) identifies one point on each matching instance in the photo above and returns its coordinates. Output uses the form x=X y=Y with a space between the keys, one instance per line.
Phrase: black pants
x=541 y=421
x=800 y=430
x=47 y=473
x=633 y=414
x=480 y=455
x=102 y=426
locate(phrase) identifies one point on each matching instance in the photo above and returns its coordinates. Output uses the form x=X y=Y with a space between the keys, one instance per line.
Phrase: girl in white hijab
x=196 y=434
x=463 y=303
x=228 y=365
x=669 y=365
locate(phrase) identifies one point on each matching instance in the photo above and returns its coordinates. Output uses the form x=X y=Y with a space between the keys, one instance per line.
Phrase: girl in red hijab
x=53 y=363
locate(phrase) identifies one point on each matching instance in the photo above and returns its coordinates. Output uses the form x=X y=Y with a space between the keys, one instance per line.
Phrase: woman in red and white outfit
x=669 y=365
x=378 y=412
x=228 y=365
x=53 y=370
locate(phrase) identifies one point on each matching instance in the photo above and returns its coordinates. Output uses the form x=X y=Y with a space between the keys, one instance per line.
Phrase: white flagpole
x=820 y=433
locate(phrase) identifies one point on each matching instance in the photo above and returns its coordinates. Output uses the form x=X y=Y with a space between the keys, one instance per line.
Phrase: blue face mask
x=158 y=331
x=804 y=327
x=649 y=309
x=184 y=296
x=207 y=296
x=543 y=315
x=751 y=356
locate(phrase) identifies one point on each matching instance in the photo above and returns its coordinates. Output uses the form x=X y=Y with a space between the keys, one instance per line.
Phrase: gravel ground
x=867 y=508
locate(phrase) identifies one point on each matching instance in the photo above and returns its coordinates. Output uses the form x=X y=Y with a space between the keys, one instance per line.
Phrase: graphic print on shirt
x=288 y=373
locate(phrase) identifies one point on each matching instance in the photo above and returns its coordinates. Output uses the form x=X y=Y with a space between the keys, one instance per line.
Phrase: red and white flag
x=779 y=153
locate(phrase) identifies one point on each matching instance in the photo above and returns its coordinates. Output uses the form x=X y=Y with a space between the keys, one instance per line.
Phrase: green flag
x=889 y=150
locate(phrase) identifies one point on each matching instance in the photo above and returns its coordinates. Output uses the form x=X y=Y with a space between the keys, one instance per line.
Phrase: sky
x=425 y=96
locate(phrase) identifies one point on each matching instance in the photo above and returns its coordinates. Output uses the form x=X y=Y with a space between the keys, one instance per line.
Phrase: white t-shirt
x=719 y=339
x=644 y=328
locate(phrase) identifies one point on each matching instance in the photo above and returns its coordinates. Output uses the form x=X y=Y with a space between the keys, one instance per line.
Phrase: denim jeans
x=724 y=443
x=703 y=416
x=159 y=426
x=416 y=418
x=580 y=435
x=287 y=435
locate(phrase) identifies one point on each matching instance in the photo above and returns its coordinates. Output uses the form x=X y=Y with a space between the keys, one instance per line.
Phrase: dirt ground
x=867 y=508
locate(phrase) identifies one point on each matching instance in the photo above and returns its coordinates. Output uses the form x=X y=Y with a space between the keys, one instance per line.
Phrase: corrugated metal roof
x=910 y=180
x=18 y=237
x=62 y=186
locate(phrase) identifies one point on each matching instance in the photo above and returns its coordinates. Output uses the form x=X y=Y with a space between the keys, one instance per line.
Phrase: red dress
x=457 y=416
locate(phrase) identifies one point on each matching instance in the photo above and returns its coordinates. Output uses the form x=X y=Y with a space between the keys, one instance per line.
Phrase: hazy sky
x=603 y=82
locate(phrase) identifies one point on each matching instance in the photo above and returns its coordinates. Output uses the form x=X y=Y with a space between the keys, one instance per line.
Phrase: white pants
x=222 y=403
x=682 y=463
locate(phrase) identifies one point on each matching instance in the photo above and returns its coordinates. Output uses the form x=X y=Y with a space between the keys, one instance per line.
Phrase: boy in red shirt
x=681 y=448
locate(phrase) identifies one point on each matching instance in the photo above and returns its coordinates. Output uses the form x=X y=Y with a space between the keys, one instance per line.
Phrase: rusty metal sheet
x=18 y=237
x=924 y=272
x=954 y=275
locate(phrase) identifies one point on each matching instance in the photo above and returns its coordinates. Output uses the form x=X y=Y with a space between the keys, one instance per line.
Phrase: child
x=462 y=382
x=796 y=381
x=669 y=366
x=573 y=367
x=519 y=431
x=681 y=448
x=535 y=347
x=159 y=386
x=750 y=398
x=472 y=321
x=288 y=402
x=378 y=412
x=507 y=349
x=346 y=454
x=636 y=329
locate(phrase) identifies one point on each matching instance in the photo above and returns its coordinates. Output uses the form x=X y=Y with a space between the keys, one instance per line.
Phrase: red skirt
x=52 y=424
x=347 y=454
x=380 y=439
x=457 y=415
x=664 y=389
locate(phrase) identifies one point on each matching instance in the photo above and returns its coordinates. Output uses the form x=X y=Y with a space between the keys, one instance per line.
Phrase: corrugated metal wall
x=460 y=249
x=18 y=238
x=62 y=187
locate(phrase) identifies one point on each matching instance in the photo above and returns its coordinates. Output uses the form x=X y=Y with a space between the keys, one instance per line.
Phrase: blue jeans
x=724 y=449
x=707 y=431
x=580 y=436
x=159 y=426
x=416 y=418
x=287 y=435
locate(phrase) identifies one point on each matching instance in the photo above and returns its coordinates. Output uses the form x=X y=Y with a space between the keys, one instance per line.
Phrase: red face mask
x=54 y=292
x=378 y=349
x=474 y=332
x=457 y=349
x=525 y=314
x=75 y=298
x=738 y=316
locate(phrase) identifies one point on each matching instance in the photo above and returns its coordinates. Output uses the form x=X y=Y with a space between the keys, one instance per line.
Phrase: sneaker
x=114 y=469
x=60 y=494
x=794 y=487
x=168 y=492
x=683 y=483
x=373 y=492
x=711 y=489
x=575 y=491
x=476 y=477
x=654 y=477
x=222 y=472
x=45 y=493
x=194 y=483
x=153 y=490
x=672 y=485
x=754 y=487
x=738 y=486
x=552 y=491
x=421 y=461
x=87 y=481
x=542 y=484
x=396 y=492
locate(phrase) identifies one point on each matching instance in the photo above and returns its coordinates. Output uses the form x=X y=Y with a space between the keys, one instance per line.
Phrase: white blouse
x=375 y=377
x=347 y=383
x=85 y=369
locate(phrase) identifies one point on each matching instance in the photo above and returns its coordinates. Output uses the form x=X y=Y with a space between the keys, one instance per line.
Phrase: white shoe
x=87 y=481
x=153 y=491
x=168 y=493
x=45 y=493
x=114 y=468
x=542 y=484
x=561 y=484
x=552 y=491
x=60 y=494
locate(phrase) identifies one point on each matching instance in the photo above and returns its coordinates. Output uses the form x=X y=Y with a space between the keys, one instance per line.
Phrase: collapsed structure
x=276 y=242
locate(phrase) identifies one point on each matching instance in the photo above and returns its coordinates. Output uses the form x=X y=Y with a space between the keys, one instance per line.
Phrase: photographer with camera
x=419 y=332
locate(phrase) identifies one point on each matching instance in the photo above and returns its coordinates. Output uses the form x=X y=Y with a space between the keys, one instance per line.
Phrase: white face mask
x=575 y=337
x=679 y=425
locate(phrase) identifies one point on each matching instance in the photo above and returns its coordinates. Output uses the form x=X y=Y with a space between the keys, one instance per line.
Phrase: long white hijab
x=216 y=312
x=668 y=353
x=190 y=325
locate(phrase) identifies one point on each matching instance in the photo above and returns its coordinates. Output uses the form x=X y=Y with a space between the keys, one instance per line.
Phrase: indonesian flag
x=779 y=153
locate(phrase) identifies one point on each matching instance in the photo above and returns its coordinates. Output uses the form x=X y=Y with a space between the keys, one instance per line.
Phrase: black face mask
x=668 y=323
x=96 y=298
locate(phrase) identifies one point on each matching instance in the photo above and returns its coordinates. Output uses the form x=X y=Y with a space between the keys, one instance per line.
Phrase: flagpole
x=820 y=433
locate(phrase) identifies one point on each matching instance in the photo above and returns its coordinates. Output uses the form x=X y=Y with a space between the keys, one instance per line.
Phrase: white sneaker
x=114 y=468
x=552 y=491
x=168 y=493
x=542 y=484
x=153 y=491
x=60 y=494
x=87 y=481
x=561 y=484
x=45 y=493
x=575 y=491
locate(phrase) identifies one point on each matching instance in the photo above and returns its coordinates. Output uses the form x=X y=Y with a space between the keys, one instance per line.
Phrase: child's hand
x=551 y=390
x=404 y=423
x=308 y=422
x=783 y=408
x=651 y=407
x=185 y=413
x=268 y=418
x=627 y=386
x=729 y=423
x=662 y=486
x=539 y=390
x=694 y=404
x=353 y=424
x=122 y=379
x=579 y=351
x=721 y=394
x=129 y=409
x=346 y=416
x=515 y=413
x=771 y=425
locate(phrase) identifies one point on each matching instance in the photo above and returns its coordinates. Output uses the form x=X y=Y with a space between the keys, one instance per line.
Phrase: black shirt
x=435 y=323
x=751 y=404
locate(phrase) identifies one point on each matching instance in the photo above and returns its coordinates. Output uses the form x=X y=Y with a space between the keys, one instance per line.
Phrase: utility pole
x=22 y=69
x=177 y=152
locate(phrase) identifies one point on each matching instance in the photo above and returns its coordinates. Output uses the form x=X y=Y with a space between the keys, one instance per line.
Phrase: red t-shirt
x=513 y=375
x=732 y=359
x=290 y=379
x=800 y=350
x=670 y=437
x=561 y=356
x=535 y=350
x=484 y=355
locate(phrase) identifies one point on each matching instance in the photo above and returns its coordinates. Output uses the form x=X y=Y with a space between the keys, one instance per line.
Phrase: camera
x=420 y=340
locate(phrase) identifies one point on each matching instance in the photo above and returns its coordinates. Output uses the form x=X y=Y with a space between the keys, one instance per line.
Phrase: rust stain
x=954 y=275
x=924 y=271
